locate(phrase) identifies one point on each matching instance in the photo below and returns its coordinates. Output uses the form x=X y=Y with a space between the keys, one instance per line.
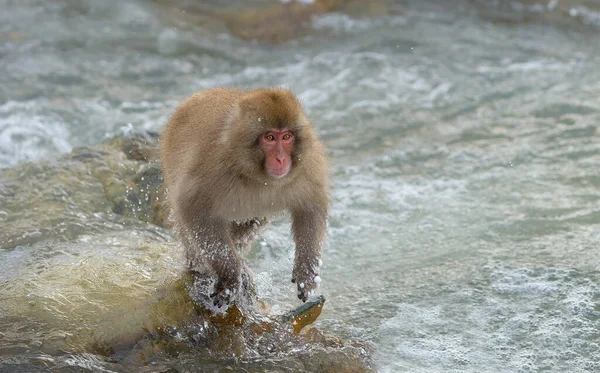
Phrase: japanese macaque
x=231 y=159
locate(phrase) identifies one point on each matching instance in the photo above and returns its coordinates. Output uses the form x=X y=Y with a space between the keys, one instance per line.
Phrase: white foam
x=26 y=136
x=524 y=320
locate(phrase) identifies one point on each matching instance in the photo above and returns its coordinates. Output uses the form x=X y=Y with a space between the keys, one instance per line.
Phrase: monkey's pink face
x=277 y=146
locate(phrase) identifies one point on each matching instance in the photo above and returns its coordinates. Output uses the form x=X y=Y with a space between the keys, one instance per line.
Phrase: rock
x=57 y=214
x=179 y=326
x=269 y=21
x=48 y=200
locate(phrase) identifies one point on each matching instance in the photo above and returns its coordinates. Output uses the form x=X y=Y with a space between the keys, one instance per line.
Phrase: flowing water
x=465 y=156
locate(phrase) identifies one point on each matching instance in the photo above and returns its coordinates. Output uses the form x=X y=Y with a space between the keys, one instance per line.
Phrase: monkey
x=233 y=158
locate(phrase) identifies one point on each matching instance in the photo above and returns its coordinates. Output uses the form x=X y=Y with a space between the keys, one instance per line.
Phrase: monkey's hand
x=307 y=279
x=226 y=289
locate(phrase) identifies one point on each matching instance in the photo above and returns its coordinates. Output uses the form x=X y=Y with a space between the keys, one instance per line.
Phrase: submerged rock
x=88 y=270
x=281 y=21
x=52 y=199
x=268 y=21
x=242 y=337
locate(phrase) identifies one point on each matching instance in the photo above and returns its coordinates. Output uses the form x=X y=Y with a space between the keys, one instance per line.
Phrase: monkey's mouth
x=278 y=172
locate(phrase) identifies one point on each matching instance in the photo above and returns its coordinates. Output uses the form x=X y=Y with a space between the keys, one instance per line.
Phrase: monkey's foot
x=248 y=290
x=224 y=295
x=204 y=291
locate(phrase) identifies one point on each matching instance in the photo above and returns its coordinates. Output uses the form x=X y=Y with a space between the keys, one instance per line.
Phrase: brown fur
x=217 y=185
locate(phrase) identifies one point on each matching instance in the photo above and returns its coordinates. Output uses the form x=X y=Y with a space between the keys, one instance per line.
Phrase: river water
x=465 y=156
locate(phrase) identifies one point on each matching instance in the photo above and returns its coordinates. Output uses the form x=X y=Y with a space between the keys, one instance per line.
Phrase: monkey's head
x=273 y=134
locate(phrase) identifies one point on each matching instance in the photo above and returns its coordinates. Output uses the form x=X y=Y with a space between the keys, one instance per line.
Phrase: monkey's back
x=191 y=137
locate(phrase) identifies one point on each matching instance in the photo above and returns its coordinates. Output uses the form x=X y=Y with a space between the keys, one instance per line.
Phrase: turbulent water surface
x=465 y=157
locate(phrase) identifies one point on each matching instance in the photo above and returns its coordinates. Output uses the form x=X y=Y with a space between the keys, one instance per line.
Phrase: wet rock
x=279 y=21
x=305 y=314
x=36 y=344
x=183 y=329
x=270 y=21
x=97 y=196
x=49 y=199
x=136 y=189
x=568 y=13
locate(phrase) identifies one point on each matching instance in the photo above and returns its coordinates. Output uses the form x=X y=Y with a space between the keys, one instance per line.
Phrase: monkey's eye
x=270 y=138
x=287 y=136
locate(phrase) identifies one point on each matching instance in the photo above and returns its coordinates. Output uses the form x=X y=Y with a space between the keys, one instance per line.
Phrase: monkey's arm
x=212 y=245
x=308 y=226
x=243 y=235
